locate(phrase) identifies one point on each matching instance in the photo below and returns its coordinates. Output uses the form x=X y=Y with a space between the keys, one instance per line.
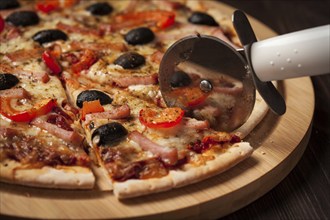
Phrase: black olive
x=100 y=8
x=130 y=60
x=180 y=79
x=202 y=18
x=23 y=18
x=142 y=35
x=91 y=95
x=110 y=134
x=7 y=81
x=8 y=4
x=49 y=35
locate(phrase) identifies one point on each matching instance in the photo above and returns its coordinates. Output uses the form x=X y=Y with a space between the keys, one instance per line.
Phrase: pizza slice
x=143 y=148
x=41 y=142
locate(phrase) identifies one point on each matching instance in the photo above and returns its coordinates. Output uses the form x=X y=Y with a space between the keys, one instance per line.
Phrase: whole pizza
x=80 y=106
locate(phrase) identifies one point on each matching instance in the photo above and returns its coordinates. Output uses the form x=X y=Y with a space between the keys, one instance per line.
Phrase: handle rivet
x=205 y=85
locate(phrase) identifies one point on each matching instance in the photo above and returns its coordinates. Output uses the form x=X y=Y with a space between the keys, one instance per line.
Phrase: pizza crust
x=178 y=178
x=63 y=177
x=259 y=111
x=135 y=187
x=234 y=155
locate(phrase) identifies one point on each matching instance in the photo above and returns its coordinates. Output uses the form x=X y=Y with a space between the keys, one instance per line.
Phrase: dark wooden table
x=305 y=192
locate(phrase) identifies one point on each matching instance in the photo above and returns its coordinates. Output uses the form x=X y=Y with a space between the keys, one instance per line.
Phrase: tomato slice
x=40 y=108
x=47 y=6
x=91 y=107
x=2 y=24
x=51 y=63
x=87 y=60
x=189 y=96
x=159 y=18
x=164 y=118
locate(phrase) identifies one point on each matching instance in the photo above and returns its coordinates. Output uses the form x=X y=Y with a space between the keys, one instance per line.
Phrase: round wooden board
x=279 y=143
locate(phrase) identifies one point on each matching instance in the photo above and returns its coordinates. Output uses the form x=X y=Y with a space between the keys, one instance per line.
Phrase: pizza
x=80 y=102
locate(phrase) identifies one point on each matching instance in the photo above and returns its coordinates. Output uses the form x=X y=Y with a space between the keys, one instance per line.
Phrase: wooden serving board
x=279 y=143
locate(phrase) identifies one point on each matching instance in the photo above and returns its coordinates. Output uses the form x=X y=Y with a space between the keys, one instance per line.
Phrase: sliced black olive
x=142 y=35
x=180 y=79
x=49 y=35
x=109 y=134
x=8 y=4
x=91 y=95
x=100 y=8
x=7 y=81
x=23 y=18
x=202 y=18
x=130 y=60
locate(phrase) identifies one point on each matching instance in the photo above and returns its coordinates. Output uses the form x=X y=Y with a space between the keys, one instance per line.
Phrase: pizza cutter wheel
x=212 y=81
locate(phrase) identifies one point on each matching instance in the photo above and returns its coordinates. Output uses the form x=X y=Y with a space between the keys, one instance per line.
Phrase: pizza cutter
x=211 y=80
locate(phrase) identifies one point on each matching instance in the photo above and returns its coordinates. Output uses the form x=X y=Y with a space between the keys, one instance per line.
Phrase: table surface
x=304 y=193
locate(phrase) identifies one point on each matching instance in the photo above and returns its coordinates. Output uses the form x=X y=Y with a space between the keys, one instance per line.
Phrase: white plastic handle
x=301 y=53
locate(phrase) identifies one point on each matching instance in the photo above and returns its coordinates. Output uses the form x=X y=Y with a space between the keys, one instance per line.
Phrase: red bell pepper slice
x=51 y=63
x=91 y=107
x=87 y=60
x=2 y=24
x=41 y=108
x=47 y=6
x=165 y=118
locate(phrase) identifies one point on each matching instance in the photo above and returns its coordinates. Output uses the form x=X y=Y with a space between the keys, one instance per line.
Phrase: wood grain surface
x=279 y=143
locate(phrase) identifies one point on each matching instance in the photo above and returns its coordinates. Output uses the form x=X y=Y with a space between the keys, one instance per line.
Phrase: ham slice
x=78 y=29
x=40 y=76
x=12 y=33
x=117 y=46
x=23 y=54
x=157 y=57
x=116 y=113
x=72 y=137
x=5 y=132
x=14 y=93
x=126 y=81
x=191 y=123
x=168 y=155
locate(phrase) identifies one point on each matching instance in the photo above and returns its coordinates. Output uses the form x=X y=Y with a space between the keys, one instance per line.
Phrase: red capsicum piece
x=91 y=107
x=161 y=19
x=47 y=6
x=164 y=118
x=88 y=58
x=41 y=108
x=2 y=24
x=51 y=63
